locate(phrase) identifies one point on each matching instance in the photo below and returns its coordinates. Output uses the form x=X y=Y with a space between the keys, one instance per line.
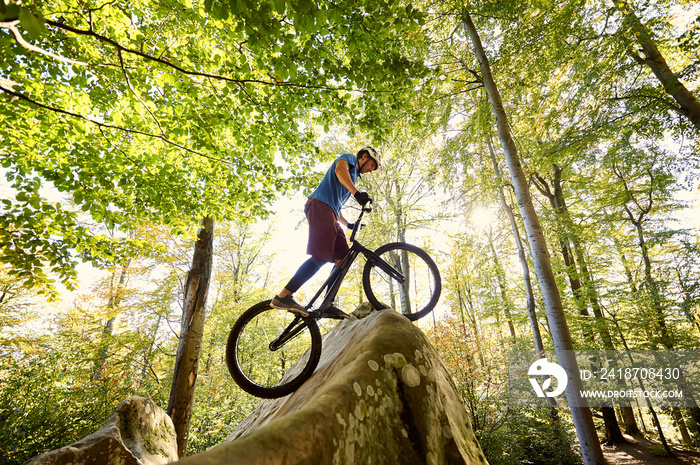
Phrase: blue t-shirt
x=331 y=191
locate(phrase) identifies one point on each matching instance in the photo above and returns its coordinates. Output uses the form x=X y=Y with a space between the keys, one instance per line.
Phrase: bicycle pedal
x=334 y=313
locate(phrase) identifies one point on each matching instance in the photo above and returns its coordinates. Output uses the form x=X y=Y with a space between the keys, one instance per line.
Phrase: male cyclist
x=327 y=243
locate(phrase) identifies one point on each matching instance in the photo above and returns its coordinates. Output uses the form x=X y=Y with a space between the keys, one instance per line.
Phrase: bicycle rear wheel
x=419 y=292
x=260 y=368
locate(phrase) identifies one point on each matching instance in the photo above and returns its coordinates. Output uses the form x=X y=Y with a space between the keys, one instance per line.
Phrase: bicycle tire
x=382 y=291
x=256 y=368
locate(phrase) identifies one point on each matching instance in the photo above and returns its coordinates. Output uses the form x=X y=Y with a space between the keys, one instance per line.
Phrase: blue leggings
x=304 y=273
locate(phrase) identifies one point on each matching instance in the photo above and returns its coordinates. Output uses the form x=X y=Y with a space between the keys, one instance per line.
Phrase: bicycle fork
x=380 y=263
x=290 y=332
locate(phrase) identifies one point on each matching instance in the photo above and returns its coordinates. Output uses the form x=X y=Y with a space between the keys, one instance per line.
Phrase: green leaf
x=32 y=23
x=9 y=11
x=281 y=71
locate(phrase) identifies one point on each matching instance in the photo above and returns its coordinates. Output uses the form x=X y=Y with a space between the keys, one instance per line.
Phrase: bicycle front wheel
x=270 y=352
x=403 y=277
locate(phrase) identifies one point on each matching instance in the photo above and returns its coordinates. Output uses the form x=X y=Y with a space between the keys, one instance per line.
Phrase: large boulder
x=380 y=395
x=139 y=433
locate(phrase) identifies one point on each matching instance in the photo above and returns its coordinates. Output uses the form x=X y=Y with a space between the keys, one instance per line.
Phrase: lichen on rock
x=380 y=395
x=138 y=433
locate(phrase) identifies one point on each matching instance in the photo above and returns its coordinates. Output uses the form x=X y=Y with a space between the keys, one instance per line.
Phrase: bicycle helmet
x=372 y=152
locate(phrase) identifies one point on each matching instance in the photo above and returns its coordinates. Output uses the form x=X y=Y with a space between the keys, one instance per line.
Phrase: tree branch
x=133 y=91
x=663 y=101
x=119 y=47
x=542 y=185
x=18 y=37
x=110 y=126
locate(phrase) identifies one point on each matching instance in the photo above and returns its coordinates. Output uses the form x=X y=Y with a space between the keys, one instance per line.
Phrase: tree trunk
x=147 y=355
x=653 y=289
x=612 y=426
x=502 y=286
x=191 y=331
x=689 y=105
x=680 y=422
x=556 y=200
x=630 y=421
x=628 y=414
x=688 y=300
x=529 y=294
x=582 y=286
x=472 y=321
x=115 y=296
x=655 y=418
x=563 y=345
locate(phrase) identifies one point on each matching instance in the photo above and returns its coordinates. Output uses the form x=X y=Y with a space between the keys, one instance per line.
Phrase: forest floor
x=641 y=451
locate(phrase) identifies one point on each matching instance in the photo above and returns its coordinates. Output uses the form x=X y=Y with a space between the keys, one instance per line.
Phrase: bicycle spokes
x=396 y=282
x=270 y=344
x=404 y=278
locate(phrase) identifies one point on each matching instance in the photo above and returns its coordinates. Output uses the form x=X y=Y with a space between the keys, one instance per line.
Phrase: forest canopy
x=168 y=112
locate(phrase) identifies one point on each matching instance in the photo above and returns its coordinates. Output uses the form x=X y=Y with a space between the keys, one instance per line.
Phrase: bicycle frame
x=336 y=277
x=334 y=281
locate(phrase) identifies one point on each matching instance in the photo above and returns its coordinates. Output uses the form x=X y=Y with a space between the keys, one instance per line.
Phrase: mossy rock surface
x=138 y=433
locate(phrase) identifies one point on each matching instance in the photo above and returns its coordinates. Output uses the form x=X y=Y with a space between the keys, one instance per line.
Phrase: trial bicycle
x=271 y=352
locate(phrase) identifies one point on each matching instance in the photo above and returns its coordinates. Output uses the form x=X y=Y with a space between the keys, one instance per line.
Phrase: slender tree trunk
x=472 y=321
x=191 y=332
x=629 y=429
x=563 y=345
x=115 y=296
x=556 y=200
x=655 y=418
x=529 y=294
x=641 y=417
x=626 y=265
x=612 y=426
x=687 y=102
x=637 y=220
x=502 y=286
x=147 y=355
x=687 y=304
x=527 y=281
x=653 y=289
x=583 y=289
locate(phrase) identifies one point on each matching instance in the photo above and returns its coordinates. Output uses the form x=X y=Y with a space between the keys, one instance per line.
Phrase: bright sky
x=291 y=232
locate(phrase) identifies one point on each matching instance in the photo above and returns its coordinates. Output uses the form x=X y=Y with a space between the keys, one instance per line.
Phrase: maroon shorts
x=326 y=238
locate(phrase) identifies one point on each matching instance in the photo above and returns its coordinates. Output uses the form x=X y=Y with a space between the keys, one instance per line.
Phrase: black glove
x=352 y=226
x=362 y=198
